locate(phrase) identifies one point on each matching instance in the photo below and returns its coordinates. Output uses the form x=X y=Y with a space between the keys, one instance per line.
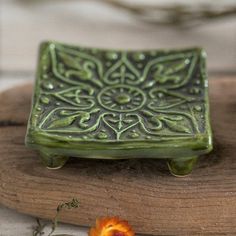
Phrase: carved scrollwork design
x=120 y=95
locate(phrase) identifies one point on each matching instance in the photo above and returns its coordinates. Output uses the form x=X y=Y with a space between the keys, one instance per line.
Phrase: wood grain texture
x=141 y=191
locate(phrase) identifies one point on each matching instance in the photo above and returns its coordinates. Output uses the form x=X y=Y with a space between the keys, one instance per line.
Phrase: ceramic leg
x=52 y=161
x=181 y=167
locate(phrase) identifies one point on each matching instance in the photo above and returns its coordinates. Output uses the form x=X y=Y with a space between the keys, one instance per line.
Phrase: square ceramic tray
x=113 y=104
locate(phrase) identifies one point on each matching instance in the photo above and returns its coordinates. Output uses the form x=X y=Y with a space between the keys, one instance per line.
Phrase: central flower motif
x=121 y=98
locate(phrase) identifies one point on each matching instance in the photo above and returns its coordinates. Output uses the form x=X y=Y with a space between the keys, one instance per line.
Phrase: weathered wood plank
x=141 y=191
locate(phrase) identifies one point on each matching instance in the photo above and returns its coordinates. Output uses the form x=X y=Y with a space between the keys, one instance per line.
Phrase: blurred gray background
x=104 y=23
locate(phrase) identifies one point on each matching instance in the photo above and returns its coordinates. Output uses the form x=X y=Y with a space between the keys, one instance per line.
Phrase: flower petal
x=111 y=226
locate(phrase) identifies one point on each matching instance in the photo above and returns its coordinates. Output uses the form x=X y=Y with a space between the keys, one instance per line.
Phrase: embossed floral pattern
x=117 y=95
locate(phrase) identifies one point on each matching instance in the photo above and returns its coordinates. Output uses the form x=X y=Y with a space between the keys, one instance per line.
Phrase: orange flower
x=111 y=226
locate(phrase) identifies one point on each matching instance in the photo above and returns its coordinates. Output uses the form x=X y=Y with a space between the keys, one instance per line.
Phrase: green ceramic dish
x=113 y=104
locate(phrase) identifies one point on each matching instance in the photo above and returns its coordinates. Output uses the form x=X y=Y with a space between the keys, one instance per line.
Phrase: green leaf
x=66 y=113
x=95 y=110
x=128 y=121
x=62 y=122
x=175 y=118
x=113 y=120
x=164 y=79
x=69 y=60
x=46 y=59
x=69 y=95
x=147 y=113
x=181 y=65
x=174 y=126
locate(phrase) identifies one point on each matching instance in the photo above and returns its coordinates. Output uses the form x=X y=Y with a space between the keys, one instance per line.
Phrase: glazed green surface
x=120 y=104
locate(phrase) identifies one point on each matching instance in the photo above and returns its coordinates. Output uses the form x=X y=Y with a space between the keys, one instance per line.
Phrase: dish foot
x=181 y=167
x=52 y=161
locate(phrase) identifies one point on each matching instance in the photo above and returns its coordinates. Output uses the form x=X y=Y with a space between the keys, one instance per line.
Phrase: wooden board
x=141 y=191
